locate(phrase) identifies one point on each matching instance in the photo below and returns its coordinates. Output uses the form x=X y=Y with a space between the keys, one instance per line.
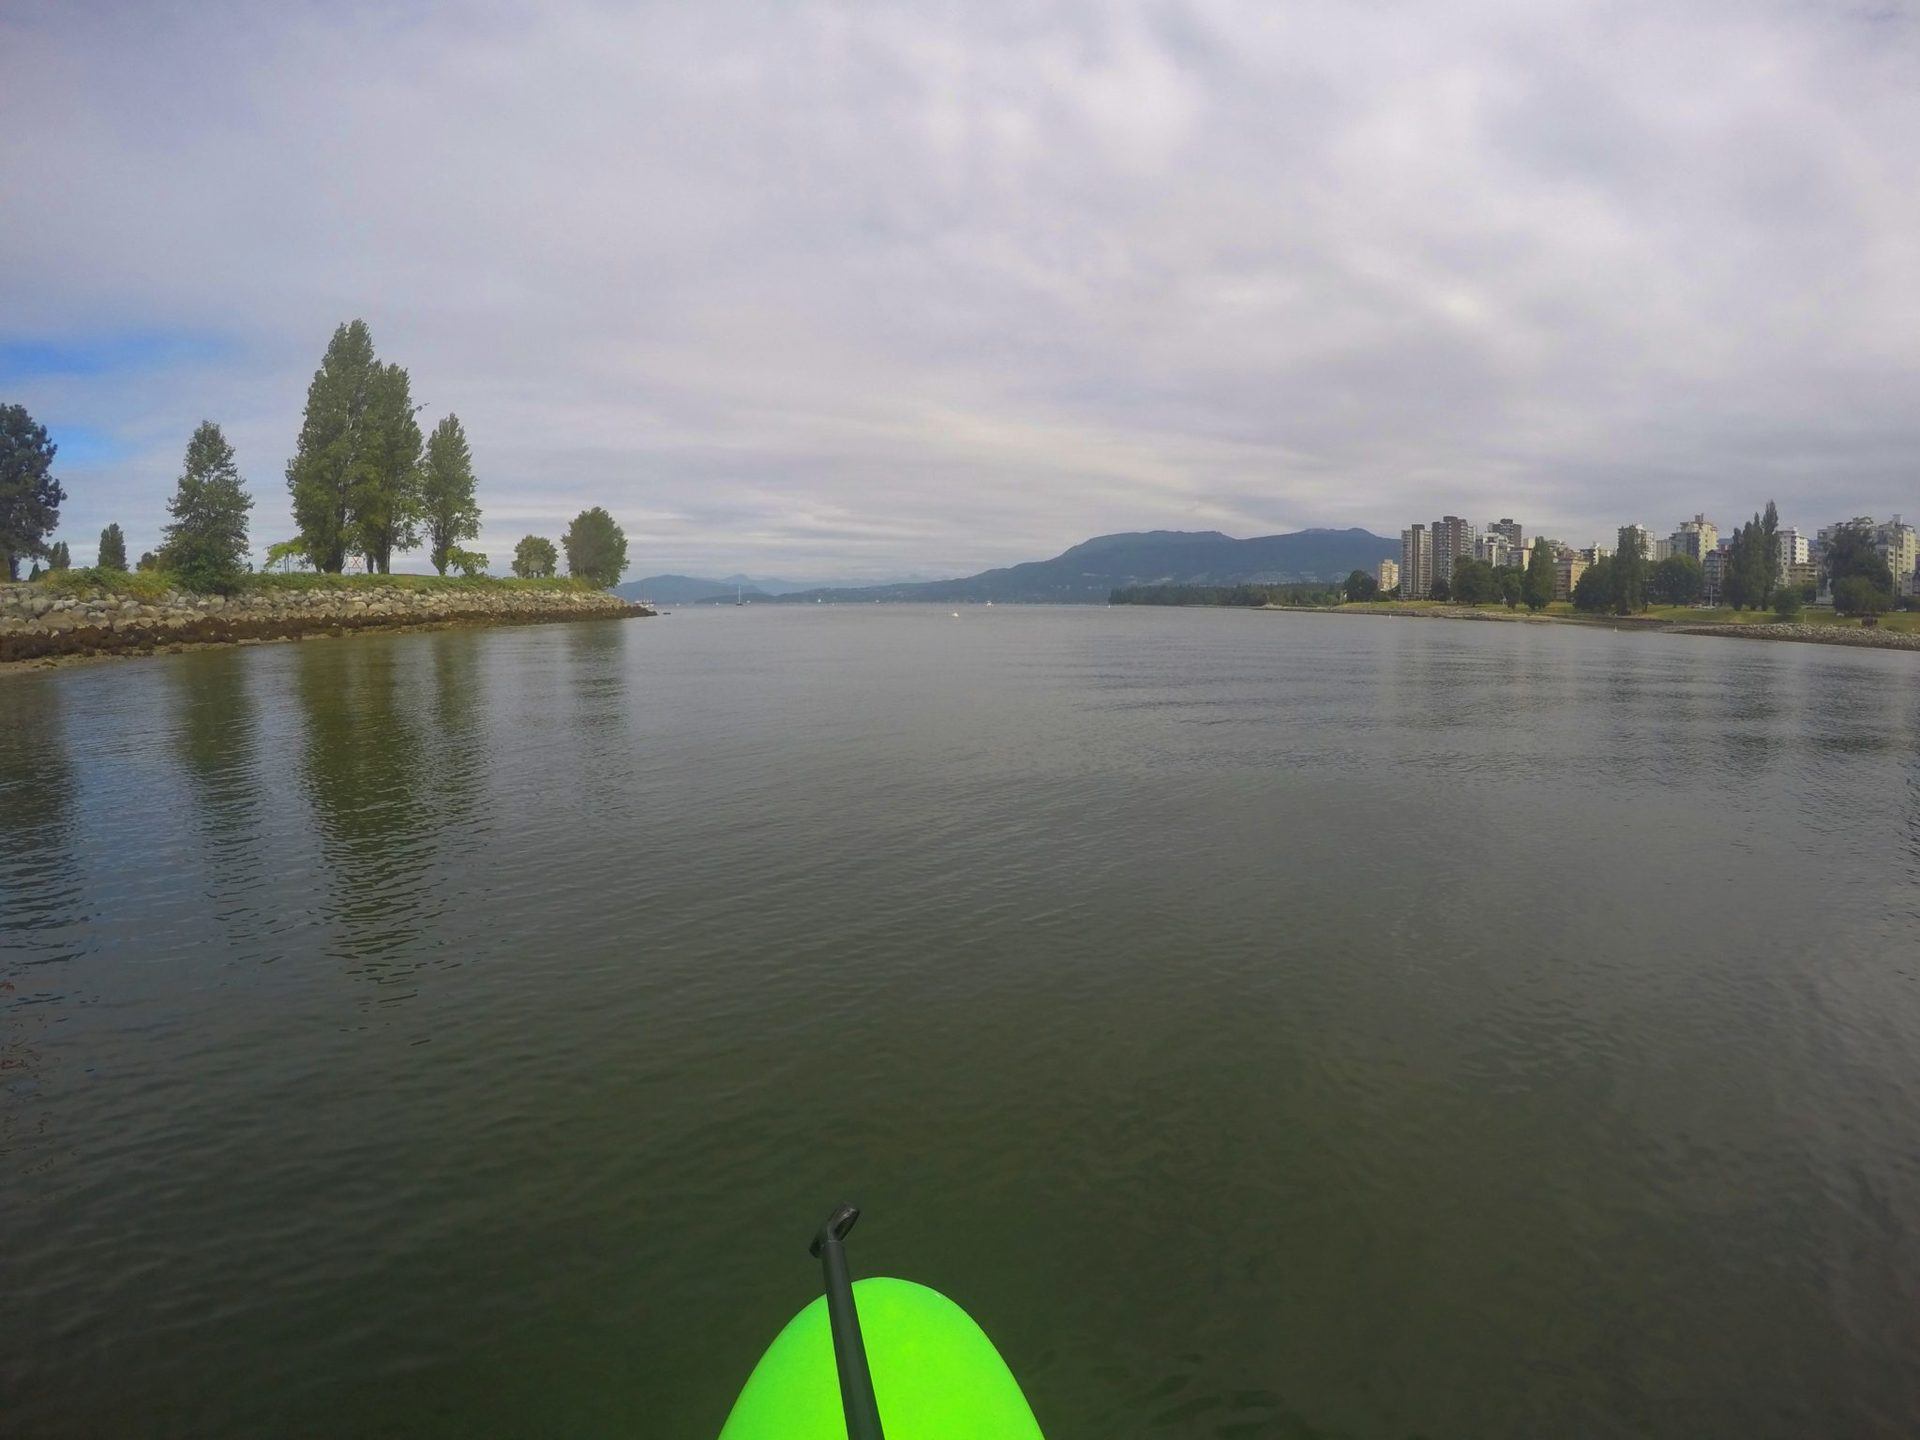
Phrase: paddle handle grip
x=849 y=1349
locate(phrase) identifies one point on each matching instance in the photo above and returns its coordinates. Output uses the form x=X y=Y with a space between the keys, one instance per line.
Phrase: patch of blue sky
x=107 y=353
x=81 y=445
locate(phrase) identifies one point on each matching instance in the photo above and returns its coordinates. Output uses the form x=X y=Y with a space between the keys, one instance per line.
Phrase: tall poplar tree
x=1628 y=575
x=384 y=501
x=1747 y=577
x=206 y=545
x=29 y=495
x=1536 y=588
x=113 y=549
x=1766 y=560
x=446 y=492
x=333 y=449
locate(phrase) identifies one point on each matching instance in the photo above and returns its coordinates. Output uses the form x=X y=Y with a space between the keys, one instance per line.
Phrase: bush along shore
x=84 y=612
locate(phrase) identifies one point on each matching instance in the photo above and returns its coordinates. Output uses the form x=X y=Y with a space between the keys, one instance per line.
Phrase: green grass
x=152 y=585
x=147 y=585
x=309 y=580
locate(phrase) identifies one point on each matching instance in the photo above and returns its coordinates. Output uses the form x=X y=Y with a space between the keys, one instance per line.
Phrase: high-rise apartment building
x=1388 y=575
x=1416 y=563
x=1452 y=539
x=1713 y=575
x=1515 y=536
x=1696 y=538
x=1494 y=548
x=1567 y=571
x=1790 y=548
x=1901 y=548
x=1640 y=533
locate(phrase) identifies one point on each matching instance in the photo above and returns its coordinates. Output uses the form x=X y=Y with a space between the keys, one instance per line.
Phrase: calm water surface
x=1265 y=1025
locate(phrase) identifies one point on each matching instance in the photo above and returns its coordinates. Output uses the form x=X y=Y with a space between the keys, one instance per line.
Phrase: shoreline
x=1785 y=631
x=41 y=630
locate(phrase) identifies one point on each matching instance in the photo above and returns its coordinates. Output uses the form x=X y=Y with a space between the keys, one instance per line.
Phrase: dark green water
x=1265 y=1025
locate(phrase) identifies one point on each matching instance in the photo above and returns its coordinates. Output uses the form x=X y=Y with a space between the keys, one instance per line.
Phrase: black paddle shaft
x=849 y=1350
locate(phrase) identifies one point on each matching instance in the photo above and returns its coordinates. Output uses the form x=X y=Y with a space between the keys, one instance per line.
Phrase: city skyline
x=1429 y=550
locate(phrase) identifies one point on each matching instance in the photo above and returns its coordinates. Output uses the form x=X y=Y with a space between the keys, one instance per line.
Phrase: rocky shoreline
x=1863 y=639
x=39 y=626
x=1817 y=634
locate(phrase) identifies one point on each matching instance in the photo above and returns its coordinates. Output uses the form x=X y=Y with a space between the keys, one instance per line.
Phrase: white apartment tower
x=1790 y=548
x=1898 y=543
x=1416 y=563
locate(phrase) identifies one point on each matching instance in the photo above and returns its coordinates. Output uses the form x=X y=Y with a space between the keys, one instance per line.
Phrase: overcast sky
x=874 y=290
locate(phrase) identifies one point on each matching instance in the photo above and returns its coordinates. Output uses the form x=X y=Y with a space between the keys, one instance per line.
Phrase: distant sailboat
x=738 y=595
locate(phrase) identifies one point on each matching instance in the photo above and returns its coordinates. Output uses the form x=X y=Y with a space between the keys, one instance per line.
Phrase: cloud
x=859 y=290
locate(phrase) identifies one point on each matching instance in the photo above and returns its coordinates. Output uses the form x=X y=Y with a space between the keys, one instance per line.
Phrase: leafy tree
x=206 y=545
x=147 y=561
x=29 y=495
x=1299 y=595
x=113 y=549
x=288 y=555
x=1361 y=586
x=1594 y=591
x=1537 y=586
x=1474 y=582
x=59 y=557
x=1440 y=590
x=34 y=574
x=1850 y=554
x=446 y=492
x=596 y=548
x=1787 y=602
x=334 y=447
x=1512 y=586
x=1676 y=580
x=1629 y=573
x=468 y=562
x=534 y=558
x=1859 y=595
x=384 y=501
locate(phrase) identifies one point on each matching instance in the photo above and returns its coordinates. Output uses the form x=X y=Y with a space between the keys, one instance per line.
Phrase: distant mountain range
x=1091 y=570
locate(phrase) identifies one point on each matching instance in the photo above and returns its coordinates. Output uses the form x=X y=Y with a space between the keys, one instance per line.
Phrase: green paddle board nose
x=936 y=1376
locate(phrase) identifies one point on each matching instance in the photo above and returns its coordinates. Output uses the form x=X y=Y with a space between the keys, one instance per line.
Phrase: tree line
x=363 y=481
x=1303 y=593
